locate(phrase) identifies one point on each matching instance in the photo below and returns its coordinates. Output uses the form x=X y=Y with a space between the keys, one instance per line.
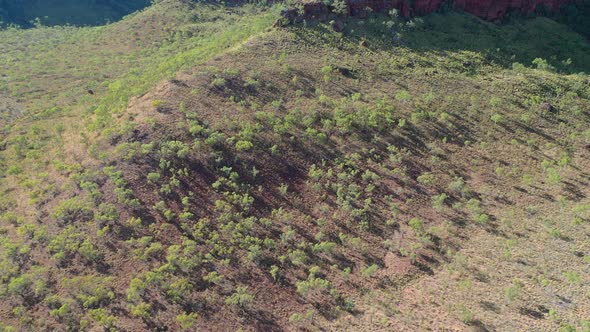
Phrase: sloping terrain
x=399 y=175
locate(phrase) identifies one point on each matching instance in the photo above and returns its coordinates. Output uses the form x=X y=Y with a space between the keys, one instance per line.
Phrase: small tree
x=187 y=321
x=241 y=298
x=340 y=7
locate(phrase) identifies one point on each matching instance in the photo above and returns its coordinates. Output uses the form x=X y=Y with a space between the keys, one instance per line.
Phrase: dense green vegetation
x=576 y=16
x=193 y=168
x=27 y=13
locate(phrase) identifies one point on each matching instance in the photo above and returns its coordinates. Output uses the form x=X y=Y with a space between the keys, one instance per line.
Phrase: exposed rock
x=547 y=107
x=345 y=71
x=337 y=25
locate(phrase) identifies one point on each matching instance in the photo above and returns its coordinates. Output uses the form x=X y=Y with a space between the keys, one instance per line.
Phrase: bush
x=157 y=103
x=244 y=145
x=438 y=201
x=153 y=177
x=106 y=215
x=482 y=218
x=323 y=247
x=187 y=321
x=219 y=82
x=88 y=251
x=174 y=149
x=370 y=270
x=417 y=225
x=241 y=297
x=136 y=289
x=553 y=176
x=426 y=178
x=295 y=318
x=465 y=315
x=14 y=170
x=91 y=291
x=298 y=257
x=142 y=310
x=100 y=316
x=72 y=210
x=312 y=284
x=513 y=291
x=458 y=185
x=496 y=118
x=542 y=64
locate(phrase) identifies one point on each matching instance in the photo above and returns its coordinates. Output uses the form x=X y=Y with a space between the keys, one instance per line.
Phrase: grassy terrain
x=227 y=175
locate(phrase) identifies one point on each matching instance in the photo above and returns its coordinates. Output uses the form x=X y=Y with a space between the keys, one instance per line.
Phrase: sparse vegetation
x=192 y=167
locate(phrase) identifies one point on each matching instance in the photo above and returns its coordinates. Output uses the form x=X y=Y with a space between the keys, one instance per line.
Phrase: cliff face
x=486 y=9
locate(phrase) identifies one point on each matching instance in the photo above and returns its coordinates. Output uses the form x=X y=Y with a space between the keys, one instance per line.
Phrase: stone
x=337 y=25
x=547 y=107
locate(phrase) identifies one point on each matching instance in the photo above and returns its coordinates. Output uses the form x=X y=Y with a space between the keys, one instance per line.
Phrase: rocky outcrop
x=486 y=9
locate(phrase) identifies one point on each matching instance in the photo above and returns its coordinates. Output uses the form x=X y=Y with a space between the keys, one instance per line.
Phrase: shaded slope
x=62 y=12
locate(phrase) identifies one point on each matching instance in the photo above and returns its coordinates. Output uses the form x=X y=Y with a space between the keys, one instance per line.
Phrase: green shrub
x=542 y=64
x=244 y=146
x=497 y=118
x=298 y=257
x=73 y=210
x=91 y=291
x=179 y=289
x=370 y=270
x=553 y=176
x=219 y=82
x=136 y=289
x=295 y=318
x=103 y=318
x=417 y=225
x=313 y=284
x=426 y=178
x=142 y=310
x=88 y=251
x=512 y=292
x=403 y=96
x=241 y=297
x=482 y=218
x=187 y=321
x=106 y=215
x=157 y=103
x=465 y=315
x=458 y=185
x=438 y=201
x=323 y=247
x=14 y=170
x=154 y=177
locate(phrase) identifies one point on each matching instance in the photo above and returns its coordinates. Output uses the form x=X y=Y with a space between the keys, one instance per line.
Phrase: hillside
x=200 y=167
